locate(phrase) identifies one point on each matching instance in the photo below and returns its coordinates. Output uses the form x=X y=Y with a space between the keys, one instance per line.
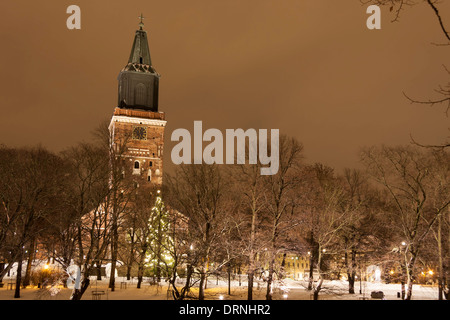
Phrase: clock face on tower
x=140 y=133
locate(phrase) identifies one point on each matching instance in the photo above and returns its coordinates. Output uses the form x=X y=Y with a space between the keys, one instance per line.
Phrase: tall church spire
x=138 y=80
x=140 y=52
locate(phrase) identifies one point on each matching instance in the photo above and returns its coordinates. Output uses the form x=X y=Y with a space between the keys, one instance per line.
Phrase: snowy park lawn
x=291 y=290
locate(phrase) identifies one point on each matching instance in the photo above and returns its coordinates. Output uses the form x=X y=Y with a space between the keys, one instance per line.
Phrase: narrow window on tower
x=149 y=175
x=140 y=60
x=140 y=95
x=136 y=169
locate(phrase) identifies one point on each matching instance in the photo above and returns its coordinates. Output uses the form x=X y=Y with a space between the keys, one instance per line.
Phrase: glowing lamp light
x=430 y=272
x=392 y=272
x=221 y=297
x=46 y=267
x=285 y=296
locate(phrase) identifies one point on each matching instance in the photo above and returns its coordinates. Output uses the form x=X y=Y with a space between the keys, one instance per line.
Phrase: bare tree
x=122 y=187
x=331 y=215
x=279 y=198
x=199 y=193
x=29 y=180
x=405 y=173
x=440 y=189
x=250 y=188
x=88 y=188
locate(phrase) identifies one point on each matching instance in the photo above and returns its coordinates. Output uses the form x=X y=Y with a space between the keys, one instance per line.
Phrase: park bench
x=97 y=294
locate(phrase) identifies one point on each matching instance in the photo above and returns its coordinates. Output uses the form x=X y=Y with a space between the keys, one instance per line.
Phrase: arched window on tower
x=140 y=98
x=149 y=175
x=159 y=151
x=137 y=167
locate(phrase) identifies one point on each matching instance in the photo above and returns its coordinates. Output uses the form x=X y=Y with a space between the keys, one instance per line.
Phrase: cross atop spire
x=141 y=24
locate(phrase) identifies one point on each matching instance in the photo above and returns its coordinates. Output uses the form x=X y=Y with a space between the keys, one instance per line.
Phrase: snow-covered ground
x=218 y=289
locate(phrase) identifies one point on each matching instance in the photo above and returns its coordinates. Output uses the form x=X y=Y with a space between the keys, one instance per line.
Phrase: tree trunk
x=319 y=269
x=409 y=284
x=229 y=279
x=78 y=293
x=269 y=292
x=132 y=255
x=140 y=275
x=201 y=289
x=250 y=285
x=141 y=265
x=99 y=270
x=317 y=290
x=351 y=271
x=187 y=285
x=441 y=280
x=114 y=249
x=312 y=248
x=409 y=273
x=251 y=264
x=128 y=272
x=19 y=275
x=311 y=272
x=26 y=280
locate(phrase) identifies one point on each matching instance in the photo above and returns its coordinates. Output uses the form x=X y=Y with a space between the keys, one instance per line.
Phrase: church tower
x=137 y=126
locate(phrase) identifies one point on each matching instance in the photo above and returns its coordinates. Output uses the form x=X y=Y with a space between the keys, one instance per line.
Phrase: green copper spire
x=140 y=52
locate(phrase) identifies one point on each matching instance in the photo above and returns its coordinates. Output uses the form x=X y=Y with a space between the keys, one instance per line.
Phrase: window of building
x=140 y=97
x=136 y=168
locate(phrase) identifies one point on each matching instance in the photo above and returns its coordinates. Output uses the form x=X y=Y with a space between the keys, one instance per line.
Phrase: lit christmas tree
x=158 y=256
